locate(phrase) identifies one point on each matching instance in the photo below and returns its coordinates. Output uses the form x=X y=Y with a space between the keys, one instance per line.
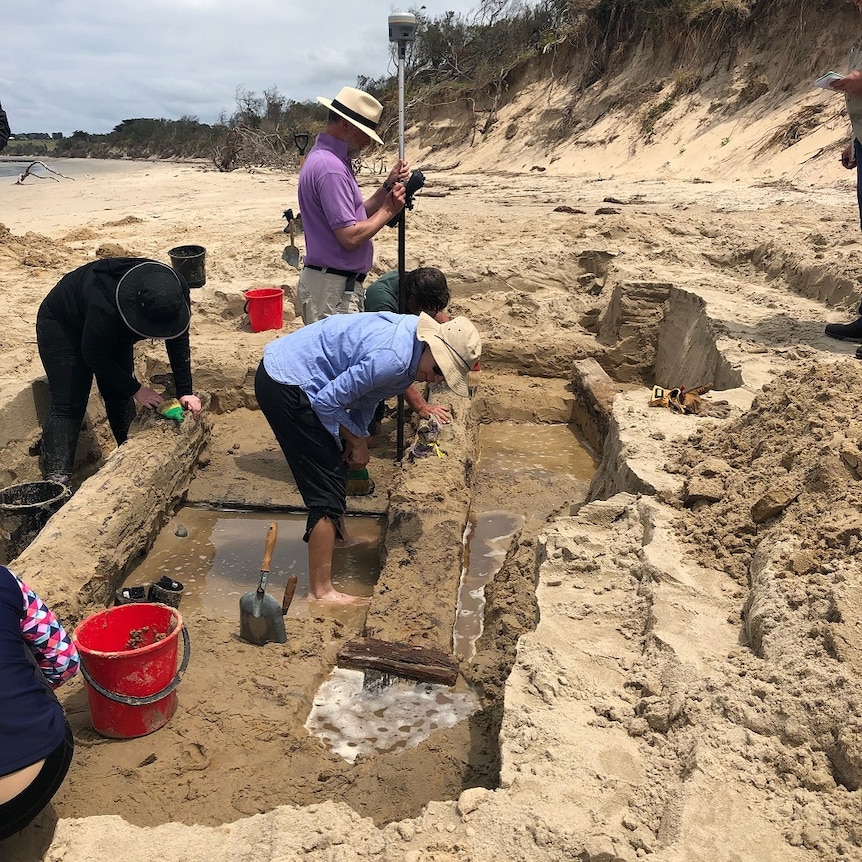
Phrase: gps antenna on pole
x=402 y=31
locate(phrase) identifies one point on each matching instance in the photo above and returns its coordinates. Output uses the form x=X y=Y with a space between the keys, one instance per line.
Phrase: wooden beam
x=425 y=664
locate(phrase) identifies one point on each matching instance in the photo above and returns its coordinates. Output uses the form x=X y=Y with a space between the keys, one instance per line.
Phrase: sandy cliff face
x=719 y=97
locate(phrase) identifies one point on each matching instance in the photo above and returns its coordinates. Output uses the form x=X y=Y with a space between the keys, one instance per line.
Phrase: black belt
x=355 y=276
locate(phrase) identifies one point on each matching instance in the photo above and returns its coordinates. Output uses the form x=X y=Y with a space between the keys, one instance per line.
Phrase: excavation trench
x=246 y=737
x=259 y=727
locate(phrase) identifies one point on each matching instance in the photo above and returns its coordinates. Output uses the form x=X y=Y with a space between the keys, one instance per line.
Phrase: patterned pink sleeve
x=55 y=652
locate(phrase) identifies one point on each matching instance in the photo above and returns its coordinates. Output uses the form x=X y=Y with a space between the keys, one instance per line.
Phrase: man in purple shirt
x=338 y=223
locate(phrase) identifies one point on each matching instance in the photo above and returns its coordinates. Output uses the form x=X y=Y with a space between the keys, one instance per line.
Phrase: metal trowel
x=291 y=252
x=260 y=616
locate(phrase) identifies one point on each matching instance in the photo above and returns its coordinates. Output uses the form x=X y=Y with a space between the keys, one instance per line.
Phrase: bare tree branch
x=29 y=173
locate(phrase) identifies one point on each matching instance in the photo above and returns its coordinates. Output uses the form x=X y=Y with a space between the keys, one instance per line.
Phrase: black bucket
x=167 y=591
x=25 y=509
x=190 y=262
x=130 y=595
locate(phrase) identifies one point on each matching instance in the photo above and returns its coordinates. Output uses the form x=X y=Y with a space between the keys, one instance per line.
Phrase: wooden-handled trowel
x=260 y=617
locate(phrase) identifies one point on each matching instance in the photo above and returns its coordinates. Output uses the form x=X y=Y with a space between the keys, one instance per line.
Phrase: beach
x=649 y=648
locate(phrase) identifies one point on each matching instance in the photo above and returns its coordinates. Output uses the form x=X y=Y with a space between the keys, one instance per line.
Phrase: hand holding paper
x=849 y=84
x=825 y=81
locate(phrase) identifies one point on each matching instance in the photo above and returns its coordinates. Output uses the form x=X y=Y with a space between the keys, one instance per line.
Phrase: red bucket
x=129 y=662
x=265 y=308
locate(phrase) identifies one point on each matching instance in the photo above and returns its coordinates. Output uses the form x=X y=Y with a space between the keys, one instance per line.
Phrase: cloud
x=91 y=65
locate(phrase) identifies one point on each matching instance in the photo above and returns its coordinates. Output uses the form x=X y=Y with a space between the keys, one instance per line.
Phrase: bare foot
x=336 y=598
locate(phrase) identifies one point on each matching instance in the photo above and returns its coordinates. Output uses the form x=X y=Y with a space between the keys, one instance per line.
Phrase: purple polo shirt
x=329 y=199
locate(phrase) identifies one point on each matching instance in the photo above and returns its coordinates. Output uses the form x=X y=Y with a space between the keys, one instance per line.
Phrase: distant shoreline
x=13 y=166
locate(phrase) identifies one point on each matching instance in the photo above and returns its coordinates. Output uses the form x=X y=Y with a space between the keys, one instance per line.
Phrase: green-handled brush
x=359 y=484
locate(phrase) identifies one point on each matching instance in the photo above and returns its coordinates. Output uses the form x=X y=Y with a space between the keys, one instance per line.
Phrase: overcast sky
x=90 y=64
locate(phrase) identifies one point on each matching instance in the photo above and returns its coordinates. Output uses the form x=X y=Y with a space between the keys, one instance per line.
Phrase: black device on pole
x=402 y=31
x=413 y=184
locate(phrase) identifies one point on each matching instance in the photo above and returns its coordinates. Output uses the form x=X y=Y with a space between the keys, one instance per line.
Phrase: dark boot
x=845 y=331
x=59 y=440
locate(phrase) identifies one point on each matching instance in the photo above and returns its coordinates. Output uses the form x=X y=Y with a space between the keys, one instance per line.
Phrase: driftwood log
x=29 y=173
x=425 y=664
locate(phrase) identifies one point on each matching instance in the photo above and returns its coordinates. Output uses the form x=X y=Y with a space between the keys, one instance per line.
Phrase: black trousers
x=70 y=381
x=311 y=451
x=19 y=811
x=857 y=154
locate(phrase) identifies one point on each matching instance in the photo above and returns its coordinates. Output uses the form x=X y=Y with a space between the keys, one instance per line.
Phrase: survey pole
x=402 y=32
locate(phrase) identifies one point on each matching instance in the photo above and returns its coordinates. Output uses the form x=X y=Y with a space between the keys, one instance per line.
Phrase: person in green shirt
x=425 y=290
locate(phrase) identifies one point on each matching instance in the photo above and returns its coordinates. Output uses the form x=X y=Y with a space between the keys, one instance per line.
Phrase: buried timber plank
x=594 y=399
x=415 y=600
x=79 y=557
x=426 y=664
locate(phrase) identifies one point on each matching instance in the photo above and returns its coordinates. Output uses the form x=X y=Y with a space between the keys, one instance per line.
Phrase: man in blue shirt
x=318 y=388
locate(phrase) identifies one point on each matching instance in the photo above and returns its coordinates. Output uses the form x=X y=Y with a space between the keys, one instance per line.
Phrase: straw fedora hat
x=357 y=107
x=456 y=348
x=152 y=301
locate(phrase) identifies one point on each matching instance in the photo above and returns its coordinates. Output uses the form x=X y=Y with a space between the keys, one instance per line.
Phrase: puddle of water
x=486 y=542
x=541 y=451
x=220 y=557
x=555 y=457
x=352 y=720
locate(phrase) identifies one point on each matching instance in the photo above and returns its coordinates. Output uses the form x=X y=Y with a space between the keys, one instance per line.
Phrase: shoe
x=859 y=352
x=845 y=331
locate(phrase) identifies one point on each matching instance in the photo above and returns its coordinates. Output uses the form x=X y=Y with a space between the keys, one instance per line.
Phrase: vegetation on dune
x=464 y=60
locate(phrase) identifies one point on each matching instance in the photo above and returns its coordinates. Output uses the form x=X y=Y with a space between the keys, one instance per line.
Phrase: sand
x=670 y=666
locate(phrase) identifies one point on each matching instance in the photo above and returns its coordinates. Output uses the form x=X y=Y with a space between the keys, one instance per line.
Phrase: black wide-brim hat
x=152 y=301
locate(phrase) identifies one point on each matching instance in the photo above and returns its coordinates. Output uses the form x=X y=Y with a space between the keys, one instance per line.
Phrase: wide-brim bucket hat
x=152 y=301
x=456 y=347
x=357 y=107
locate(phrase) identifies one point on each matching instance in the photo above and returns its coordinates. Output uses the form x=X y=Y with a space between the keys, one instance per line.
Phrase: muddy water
x=217 y=556
x=549 y=453
x=352 y=718
x=487 y=540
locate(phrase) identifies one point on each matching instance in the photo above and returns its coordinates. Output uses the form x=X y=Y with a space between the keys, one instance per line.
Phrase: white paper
x=825 y=80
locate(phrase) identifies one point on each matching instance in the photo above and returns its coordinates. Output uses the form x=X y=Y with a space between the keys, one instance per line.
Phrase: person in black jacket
x=87 y=326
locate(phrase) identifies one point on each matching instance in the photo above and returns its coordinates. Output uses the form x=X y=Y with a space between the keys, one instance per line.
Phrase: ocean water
x=75 y=168
x=9 y=168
